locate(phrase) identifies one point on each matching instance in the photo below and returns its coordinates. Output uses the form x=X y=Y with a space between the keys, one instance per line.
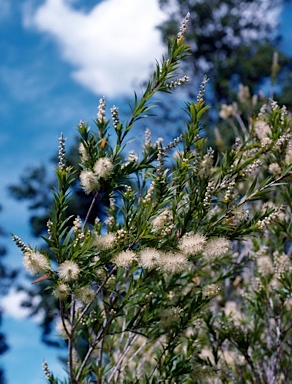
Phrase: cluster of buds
x=80 y=236
x=160 y=159
x=62 y=153
x=167 y=230
x=115 y=115
x=149 y=194
x=177 y=83
x=229 y=191
x=282 y=140
x=46 y=370
x=252 y=167
x=236 y=145
x=184 y=26
x=110 y=221
x=121 y=234
x=277 y=214
x=256 y=284
x=77 y=224
x=200 y=97
x=49 y=228
x=147 y=142
x=174 y=143
x=209 y=192
x=207 y=162
x=112 y=203
x=274 y=105
x=132 y=158
x=263 y=111
x=282 y=263
x=20 y=243
x=101 y=110
x=284 y=113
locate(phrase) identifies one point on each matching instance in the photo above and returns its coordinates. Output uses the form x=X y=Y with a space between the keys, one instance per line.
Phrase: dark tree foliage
x=7 y=275
x=232 y=42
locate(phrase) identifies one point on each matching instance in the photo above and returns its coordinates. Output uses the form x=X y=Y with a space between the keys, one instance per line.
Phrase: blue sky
x=58 y=57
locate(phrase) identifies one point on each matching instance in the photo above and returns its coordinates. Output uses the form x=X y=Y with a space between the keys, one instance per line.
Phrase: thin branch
x=92 y=347
x=135 y=354
x=96 y=294
x=158 y=362
x=71 y=338
x=129 y=343
x=89 y=210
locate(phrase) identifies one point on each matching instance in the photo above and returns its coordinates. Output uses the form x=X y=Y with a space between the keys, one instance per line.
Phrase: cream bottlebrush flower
x=263 y=130
x=170 y=316
x=103 y=167
x=243 y=93
x=288 y=155
x=226 y=111
x=61 y=291
x=68 y=270
x=173 y=262
x=161 y=220
x=85 y=294
x=35 y=262
x=211 y=290
x=232 y=358
x=89 y=181
x=265 y=266
x=191 y=244
x=105 y=242
x=125 y=258
x=150 y=258
x=83 y=152
x=232 y=311
x=216 y=247
x=275 y=169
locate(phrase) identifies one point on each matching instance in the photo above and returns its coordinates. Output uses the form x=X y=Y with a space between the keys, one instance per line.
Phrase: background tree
x=6 y=277
x=231 y=41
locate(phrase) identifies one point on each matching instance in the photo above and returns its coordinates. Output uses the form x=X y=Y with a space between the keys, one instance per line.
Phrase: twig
x=96 y=293
x=92 y=347
x=135 y=354
x=70 y=343
x=158 y=362
x=128 y=345
x=89 y=210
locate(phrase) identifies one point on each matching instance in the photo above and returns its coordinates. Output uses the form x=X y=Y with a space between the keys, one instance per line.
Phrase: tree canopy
x=232 y=41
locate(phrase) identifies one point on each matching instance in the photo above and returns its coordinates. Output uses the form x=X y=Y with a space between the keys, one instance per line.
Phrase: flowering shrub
x=188 y=279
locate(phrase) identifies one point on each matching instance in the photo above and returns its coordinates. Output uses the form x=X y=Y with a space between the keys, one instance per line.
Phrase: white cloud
x=108 y=47
x=11 y=303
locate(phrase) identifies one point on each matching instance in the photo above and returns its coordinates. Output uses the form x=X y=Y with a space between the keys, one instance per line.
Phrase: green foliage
x=187 y=278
